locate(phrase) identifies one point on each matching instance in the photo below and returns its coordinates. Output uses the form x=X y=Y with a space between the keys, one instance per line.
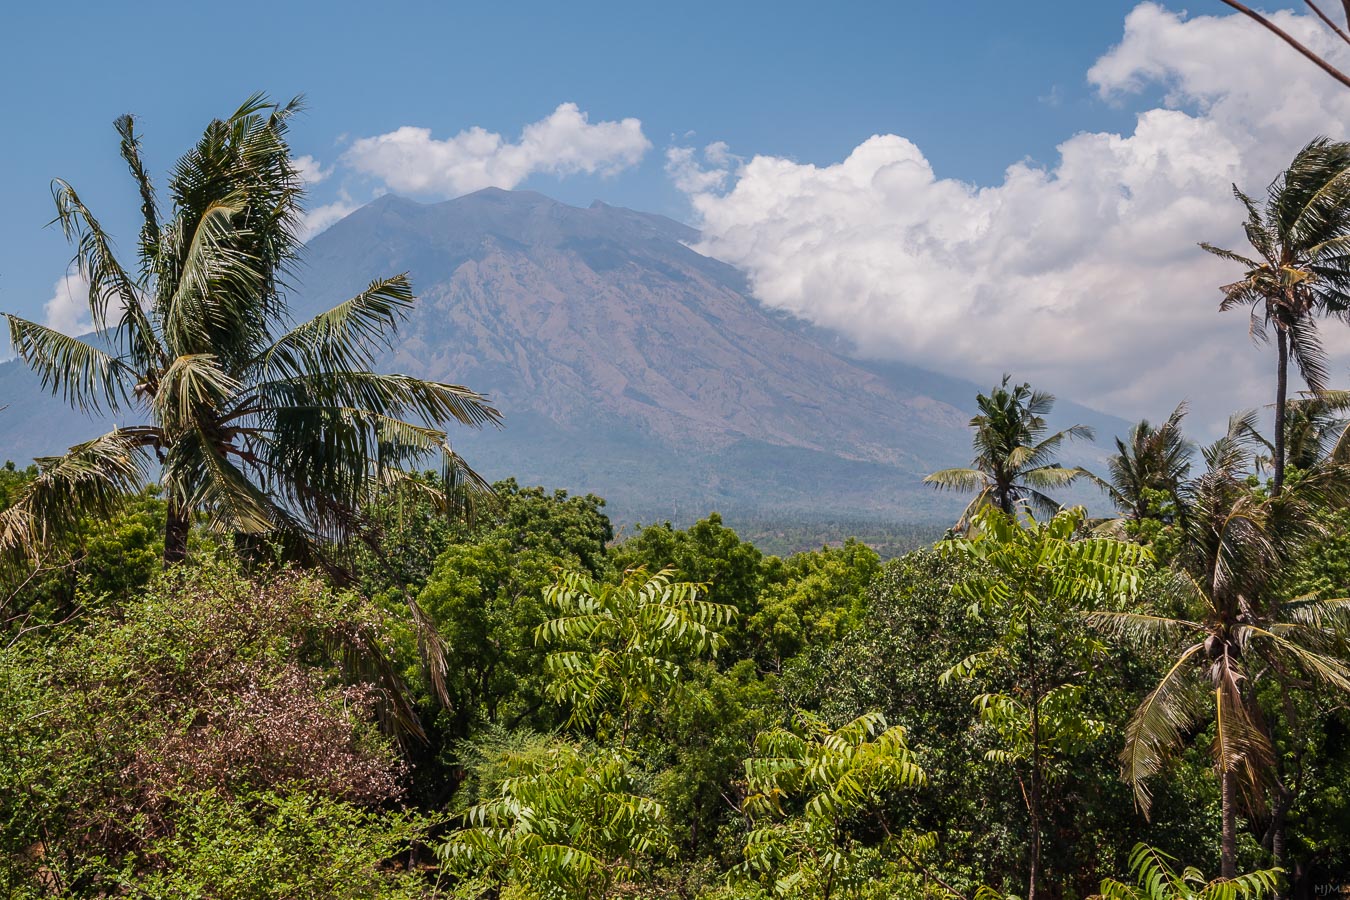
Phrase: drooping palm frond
x=111 y=289
x=93 y=477
x=86 y=377
x=1158 y=725
x=956 y=479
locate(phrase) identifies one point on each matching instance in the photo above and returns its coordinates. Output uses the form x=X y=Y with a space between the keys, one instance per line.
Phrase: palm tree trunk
x=1034 y=802
x=175 y=534
x=1034 y=799
x=1228 y=846
x=1281 y=395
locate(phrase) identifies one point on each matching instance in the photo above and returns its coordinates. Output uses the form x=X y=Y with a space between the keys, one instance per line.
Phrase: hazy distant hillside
x=626 y=364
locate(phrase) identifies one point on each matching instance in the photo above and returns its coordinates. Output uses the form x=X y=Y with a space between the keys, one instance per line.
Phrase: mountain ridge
x=629 y=365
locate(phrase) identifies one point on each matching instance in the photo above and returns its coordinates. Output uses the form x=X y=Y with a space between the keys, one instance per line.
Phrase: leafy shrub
x=209 y=681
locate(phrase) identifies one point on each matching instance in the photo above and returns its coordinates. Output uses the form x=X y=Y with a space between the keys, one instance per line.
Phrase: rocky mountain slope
x=625 y=364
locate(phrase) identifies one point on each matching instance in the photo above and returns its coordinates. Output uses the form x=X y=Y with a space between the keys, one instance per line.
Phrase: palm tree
x=1301 y=235
x=264 y=427
x=1314 y=430
x=1233 y=627
x=1153 y=459
x=1014 y=456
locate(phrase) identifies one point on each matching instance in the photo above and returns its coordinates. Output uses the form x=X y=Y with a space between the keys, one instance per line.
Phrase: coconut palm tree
x=1232 y=628
x=1014 y=454
x=259 y=425
x=1301 y=235
x=1315 y=431
x=1153 y=459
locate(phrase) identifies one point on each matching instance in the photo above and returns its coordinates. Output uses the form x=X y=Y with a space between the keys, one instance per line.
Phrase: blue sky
x=975 y=84
x=1033 y=203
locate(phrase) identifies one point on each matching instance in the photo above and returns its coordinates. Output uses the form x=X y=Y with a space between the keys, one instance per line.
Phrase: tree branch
x=1327 y=19
x=1291 y=40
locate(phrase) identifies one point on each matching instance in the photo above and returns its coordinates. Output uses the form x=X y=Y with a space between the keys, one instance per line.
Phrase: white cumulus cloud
x=566 y=142
x=68 y=309
x=310 y=169
x=1083 y=276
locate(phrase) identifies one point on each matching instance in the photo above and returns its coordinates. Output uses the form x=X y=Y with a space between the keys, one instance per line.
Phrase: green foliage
x=1037 y=582
x=268 y=845
x=1156 y=878
x=1062 y=726
x=805 y=785
x=696 y=750
x=707 y=553
x=100 y=562
x=209 y=681
x=12 y=482
x=811 y=599
x=561 y=821
x=484 y=594
x=621 y=646
x=1158 y=524
x=1034 y=582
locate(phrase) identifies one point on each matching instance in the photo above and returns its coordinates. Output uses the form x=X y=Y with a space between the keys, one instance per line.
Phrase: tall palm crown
x=1315 y=430
x=1152 y=459
x=265 y=426
x=1233 y=626
x=1014 y=454
x=1301 y=235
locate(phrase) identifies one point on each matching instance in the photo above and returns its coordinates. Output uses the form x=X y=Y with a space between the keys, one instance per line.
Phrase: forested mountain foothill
x=272 y=637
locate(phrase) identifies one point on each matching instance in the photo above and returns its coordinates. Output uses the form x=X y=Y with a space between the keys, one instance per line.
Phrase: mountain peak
x=503 y=196
x=625 y=362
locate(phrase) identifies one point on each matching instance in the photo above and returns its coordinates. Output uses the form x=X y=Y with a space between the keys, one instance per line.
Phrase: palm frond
x=1156 y=727
x=131 y=153
x=344 y=337
x=87 y=378
x=90 y=478
x=957 y=479
x=1305 y=347
x=110 y=287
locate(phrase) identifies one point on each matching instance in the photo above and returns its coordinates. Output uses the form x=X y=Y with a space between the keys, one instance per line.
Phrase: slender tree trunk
x=175 y=534
x=1279 y=841
x=1034 y=797
x=1228 y=846
x=1281 y=395
x=1034 y=803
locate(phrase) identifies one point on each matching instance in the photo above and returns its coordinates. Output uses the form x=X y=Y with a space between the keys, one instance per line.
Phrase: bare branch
x=1291 y=40
x=1327 y=19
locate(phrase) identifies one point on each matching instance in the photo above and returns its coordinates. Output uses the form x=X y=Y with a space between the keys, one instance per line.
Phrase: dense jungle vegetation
x=253 y=648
